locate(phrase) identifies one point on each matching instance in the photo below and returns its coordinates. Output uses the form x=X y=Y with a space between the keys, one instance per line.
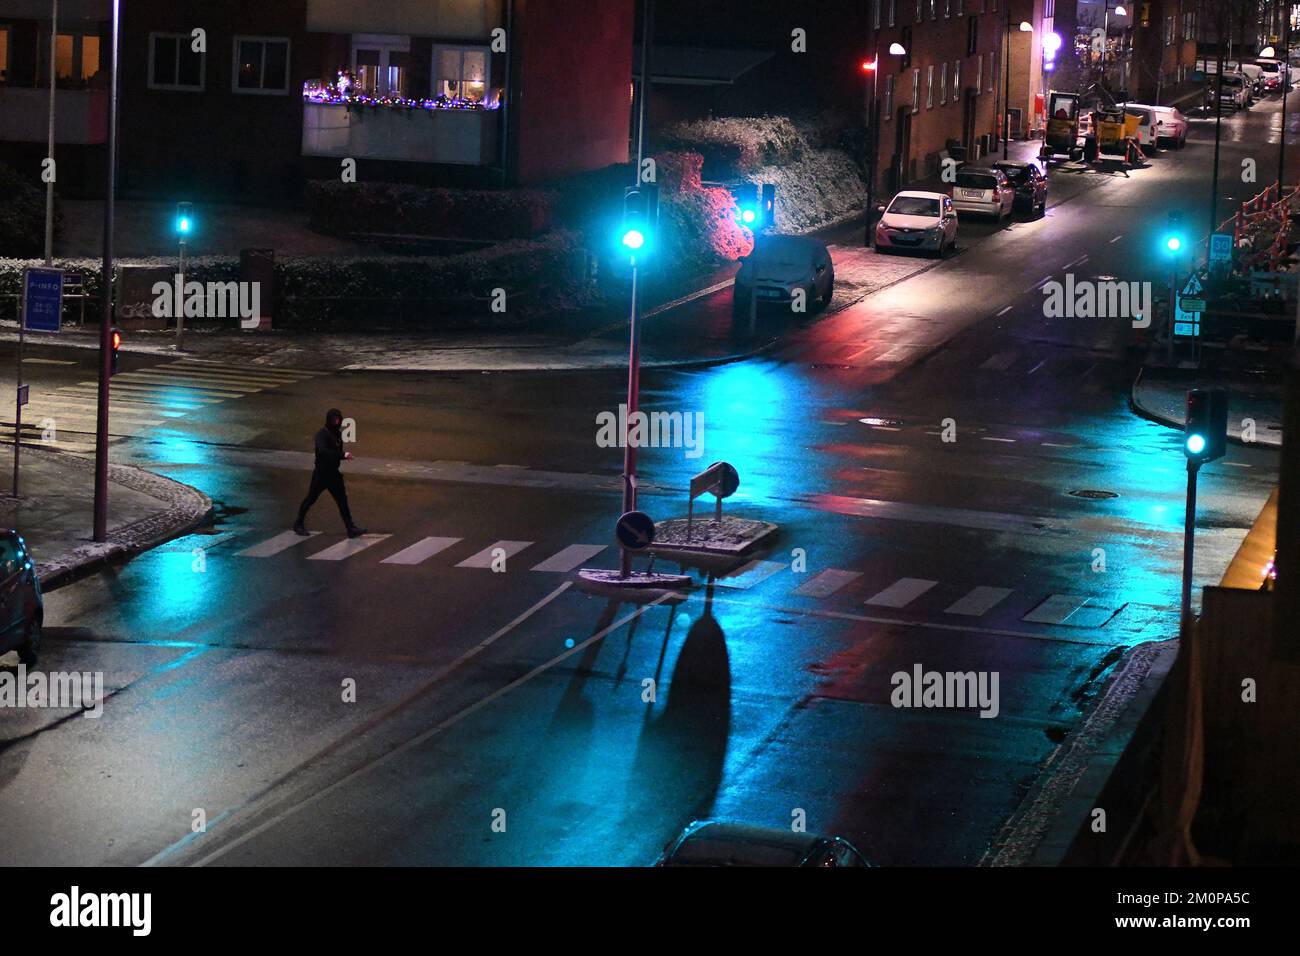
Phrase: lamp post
x=872 y=66
x=106 y=286
x=1006 y=83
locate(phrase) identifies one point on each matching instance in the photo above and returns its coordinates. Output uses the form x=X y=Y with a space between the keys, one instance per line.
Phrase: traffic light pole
x=180 y=312
x=106 y=281
x=1189 y=544
x=633 y=402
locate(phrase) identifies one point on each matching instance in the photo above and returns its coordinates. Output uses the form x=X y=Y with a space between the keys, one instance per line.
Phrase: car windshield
x=1268 y=67
x=914 y=206
x=1232 y=81
x=975 y=181
x=1017 y=174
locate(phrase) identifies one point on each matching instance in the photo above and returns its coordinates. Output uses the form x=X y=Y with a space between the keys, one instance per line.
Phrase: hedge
x=367 y=292
x=338 y=208
x=22 y=215
x=737 y=144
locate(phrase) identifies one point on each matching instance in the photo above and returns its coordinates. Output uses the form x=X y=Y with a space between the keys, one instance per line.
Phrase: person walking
x=326 y=475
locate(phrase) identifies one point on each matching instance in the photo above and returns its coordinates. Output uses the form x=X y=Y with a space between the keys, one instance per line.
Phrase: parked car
x=917 y=220
x=1229 y=90
x=1254 y=74
x=1030 y=184
x=781 y=265
x=1147 y=134
x=22 y=609
x=1171 y=124
x=1274 y=72
x=715 y=843
x=984 y=192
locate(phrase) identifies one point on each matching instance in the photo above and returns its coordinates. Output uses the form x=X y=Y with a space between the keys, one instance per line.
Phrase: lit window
x=943 y=83
x=261 y=65
x=929 y=87
x=76 y=58
x=4 y=54
x=173 y=64
x=461 y=73
x=380 y=64
x=916 y=91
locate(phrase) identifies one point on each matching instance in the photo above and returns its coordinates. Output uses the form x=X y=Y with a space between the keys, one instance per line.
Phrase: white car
x=985 y=192
x=1171 y=124
x=920 y=221
x=1230 y=90
x=1147 y=130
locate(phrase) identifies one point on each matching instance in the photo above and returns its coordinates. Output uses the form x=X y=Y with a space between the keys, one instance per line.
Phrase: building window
x=993 y=60
x=929 y=87
x=943 y=83
x=892 y=5
x=979 y=73
x=916 y=91
x=1189 y=26
x=261 y=65
x=381 y=64
x=4 y=54
x=889 y=97
x=1049 y=9
x=173 y=64
x=934 y=9
x=875 y=14
x=920 y=10
x=1169 y=30
x=947 y=9
x=972 y=35
x=461 y=73
x=956 y=80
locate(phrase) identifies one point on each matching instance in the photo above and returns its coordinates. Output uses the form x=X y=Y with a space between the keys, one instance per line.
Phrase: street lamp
x=872 y=66
x=1025 y=27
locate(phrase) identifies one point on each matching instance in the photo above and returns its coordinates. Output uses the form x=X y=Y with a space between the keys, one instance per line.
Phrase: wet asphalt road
x=484 y=697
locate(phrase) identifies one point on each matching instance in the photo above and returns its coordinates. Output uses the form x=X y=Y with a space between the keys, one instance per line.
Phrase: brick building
x=249 y=107
x=943 y=90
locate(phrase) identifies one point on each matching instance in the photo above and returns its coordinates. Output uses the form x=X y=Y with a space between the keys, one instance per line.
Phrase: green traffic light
x=183 y=225
x=1173 y=243
x=633 y=239
x=1195 y=444
x=747 y=216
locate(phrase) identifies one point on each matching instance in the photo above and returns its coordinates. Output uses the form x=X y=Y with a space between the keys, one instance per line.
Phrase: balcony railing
x=462 y=137
x=80 y=116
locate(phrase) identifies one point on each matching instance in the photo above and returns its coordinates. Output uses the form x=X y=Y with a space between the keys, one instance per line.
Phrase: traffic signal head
x=636 y=233
x=748 y=215
x=184 y=218
x=1205 y=436
x=116 y=339
x=1173 y=238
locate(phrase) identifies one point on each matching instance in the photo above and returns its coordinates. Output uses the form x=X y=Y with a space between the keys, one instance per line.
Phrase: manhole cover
x=1093 y=493
x=885 y=422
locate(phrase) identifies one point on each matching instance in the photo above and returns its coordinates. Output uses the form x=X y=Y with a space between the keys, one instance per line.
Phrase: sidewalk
x=56 y=511
x=1254 y=392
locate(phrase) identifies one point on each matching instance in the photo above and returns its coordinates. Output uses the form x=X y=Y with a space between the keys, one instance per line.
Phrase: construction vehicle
x=1113 y=136
x=1062 y=135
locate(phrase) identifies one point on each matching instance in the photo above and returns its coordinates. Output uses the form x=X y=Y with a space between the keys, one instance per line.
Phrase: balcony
x=81 y=116
x=460 y=137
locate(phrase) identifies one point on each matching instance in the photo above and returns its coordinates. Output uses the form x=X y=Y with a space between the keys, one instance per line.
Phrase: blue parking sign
x=42 y=299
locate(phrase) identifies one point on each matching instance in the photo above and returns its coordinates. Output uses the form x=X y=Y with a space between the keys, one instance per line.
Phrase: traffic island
x=728 y=536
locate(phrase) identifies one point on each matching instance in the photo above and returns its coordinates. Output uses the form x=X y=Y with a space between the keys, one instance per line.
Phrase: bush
x=22 y=215
x=822 y=188
x=338 y=208
x=737 y=144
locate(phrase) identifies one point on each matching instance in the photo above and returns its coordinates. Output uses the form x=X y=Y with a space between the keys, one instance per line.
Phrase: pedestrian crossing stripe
x=825 y=583
x=749 y=574
x=348 y=547
x=272 y=546
x=979 y=601
x=574 y=556
x=901 y=593
x=485 y=557
x=421 y=551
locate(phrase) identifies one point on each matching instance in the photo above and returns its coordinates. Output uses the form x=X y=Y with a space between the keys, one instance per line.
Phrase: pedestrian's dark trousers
x=322 y=481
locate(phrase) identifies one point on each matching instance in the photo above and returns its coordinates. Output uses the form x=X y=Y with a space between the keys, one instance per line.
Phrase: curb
x=1140 y=410
x=187 y=508
x=1106 y=764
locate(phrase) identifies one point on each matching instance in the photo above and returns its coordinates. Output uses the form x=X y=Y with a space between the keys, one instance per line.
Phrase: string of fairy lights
x=342 y=93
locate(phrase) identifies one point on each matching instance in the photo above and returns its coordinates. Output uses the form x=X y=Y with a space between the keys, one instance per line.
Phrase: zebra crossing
x=903 y=594
x=65 y=418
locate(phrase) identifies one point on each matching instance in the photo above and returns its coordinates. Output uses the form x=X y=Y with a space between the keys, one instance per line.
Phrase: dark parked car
x=714 y=843
x=21 y=607
x=1030 y=184
x=780 y=265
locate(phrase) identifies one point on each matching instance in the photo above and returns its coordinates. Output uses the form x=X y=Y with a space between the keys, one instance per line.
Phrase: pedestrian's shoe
x=355 y=532
x=300 y=529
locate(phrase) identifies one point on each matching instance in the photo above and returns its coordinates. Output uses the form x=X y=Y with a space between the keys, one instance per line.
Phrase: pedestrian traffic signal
x=116 y=339
x=184 y=218
x=1205 y=437
x=640 y=209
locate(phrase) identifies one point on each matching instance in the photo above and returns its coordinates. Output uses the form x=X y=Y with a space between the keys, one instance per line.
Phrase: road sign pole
x=180 y=312
x=633 y=401
x=18 y=406
x=1189 y=542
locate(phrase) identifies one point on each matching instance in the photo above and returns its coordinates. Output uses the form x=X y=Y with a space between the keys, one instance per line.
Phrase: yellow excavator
x=1113 y=130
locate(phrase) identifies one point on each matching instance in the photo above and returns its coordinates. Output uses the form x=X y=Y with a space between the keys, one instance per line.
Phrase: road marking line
x=286 y=375
x=281 y=542
x=1056 y=609
x=1082 y=259
x=423 y=549
x=1000 y=361
x=1009 y=441
x=978 y=601
x=41 y=361
x=747 y=575
x=1236 y=464
x=1043 y=281
x=1052 y=444
x=571 y=557
x=901 y=593
x=1036 y=367
x=348 y=547
x=834 y=423
x=885 y=428
x=427 y=734
x=215 y=378
x=826 y=583
x=1116 y=239
x=484 y=558
x=1003 y=312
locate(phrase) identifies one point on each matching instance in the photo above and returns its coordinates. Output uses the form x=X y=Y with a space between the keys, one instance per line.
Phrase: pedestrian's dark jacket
x=329 y=442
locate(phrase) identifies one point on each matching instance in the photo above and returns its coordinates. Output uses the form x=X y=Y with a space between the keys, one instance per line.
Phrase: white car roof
x=920 y=194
